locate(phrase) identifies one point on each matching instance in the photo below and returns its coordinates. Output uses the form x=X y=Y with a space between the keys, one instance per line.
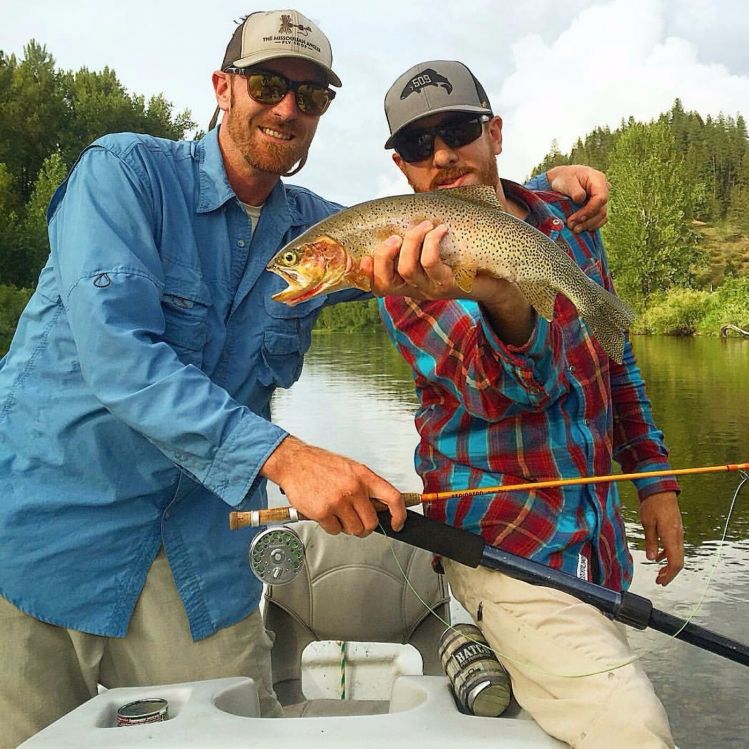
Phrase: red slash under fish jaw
x=320 y=265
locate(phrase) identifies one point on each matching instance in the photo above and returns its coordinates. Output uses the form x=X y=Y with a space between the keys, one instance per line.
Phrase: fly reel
x=276 y=555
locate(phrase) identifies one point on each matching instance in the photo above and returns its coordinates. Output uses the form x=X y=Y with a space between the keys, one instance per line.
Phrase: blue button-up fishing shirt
x=134 y=400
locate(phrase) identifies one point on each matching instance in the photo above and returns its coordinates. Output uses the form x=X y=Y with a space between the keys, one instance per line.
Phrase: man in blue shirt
x=134 y=400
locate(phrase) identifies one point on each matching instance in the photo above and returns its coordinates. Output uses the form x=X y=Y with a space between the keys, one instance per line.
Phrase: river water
x=356 y=397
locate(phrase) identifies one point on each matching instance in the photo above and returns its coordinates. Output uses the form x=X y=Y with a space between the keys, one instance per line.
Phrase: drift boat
x=350 y=590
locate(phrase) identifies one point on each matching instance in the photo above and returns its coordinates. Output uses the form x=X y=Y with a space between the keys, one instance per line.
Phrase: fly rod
x=630 y=609
x=255 y=518
x=277 y=556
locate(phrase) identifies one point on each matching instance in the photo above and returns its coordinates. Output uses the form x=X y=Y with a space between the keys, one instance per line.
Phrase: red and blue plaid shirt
x=555 y=407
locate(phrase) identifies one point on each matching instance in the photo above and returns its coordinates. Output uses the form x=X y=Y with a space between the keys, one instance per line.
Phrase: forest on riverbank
x=677 y=238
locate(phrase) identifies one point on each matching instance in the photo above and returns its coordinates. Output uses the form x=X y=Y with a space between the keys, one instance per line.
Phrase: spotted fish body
x=482 y=238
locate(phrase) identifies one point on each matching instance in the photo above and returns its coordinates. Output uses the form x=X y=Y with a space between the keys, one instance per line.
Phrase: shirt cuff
x=539 y=182
x=655 y=484
x=526 y=354
x=235 y=470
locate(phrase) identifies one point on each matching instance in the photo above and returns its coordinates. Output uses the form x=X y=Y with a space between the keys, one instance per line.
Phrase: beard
x=488 y=174
x=257 y=151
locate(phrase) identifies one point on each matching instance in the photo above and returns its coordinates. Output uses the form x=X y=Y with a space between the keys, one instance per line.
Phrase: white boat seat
x=352 y=589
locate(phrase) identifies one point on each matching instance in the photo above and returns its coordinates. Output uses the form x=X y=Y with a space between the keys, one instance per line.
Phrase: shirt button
x=556 y=222
x=572 y=367
x=586 y=422
x=241 y=243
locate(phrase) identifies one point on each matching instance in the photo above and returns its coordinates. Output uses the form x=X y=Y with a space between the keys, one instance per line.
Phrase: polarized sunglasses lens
x=461 y=133
x=312 y=99
x=415 y=146
x=419 y=144
x=266 y=88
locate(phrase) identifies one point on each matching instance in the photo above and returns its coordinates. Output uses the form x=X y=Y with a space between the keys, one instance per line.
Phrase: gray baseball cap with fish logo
x=432 y=87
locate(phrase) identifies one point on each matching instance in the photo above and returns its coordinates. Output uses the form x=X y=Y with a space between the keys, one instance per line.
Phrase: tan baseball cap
x=268 y=35
x=429 y=88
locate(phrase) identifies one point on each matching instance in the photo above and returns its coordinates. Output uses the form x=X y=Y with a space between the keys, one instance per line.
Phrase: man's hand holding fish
x=412 y=266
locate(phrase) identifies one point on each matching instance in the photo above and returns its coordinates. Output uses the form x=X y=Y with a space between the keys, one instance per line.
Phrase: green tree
x=12 y=302
x=45 y=110
x=10 y=226
x=100 y=104
x=47 y=117
x=355 y=316
x=738 y=209
x=728 y=305
x=650 y=241
x=554 y=158
x=33 y=110
x=26 y=252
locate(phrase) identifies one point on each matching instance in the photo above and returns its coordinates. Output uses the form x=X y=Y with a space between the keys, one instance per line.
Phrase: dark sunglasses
x=417 y=144
x=267 y=87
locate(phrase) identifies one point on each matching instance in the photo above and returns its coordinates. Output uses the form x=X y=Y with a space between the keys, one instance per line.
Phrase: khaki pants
x=47 y=671
x=545 y=638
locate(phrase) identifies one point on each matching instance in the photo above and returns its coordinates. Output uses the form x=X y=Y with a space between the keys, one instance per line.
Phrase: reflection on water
x=356 y=397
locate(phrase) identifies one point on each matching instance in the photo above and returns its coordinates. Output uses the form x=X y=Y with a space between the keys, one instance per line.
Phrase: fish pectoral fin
x=465 y=276
x=359 y=280
x=540 y=297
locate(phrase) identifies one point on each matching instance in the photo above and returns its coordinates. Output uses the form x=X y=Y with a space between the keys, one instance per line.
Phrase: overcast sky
x=553 y=70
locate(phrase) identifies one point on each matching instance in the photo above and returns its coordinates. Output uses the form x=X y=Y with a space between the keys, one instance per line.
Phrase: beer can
x=480 y=683
x=139 y=712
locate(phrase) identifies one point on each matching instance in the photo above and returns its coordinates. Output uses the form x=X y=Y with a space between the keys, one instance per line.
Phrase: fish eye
x=289 y=258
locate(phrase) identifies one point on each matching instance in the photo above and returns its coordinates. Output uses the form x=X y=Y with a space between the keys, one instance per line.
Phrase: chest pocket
x=185 y=307
x=286 y=339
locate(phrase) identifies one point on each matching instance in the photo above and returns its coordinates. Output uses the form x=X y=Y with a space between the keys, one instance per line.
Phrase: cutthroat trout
x=482 y=238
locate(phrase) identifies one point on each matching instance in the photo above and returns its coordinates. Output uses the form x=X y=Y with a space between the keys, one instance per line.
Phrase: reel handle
x=256 y=518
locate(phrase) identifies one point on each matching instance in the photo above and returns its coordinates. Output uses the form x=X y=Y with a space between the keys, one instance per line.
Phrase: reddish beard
x=487 y=174
x=259 y=152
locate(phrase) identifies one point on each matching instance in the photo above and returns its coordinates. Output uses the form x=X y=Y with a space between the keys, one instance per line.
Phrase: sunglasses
x=266 y=87
x=418 y=144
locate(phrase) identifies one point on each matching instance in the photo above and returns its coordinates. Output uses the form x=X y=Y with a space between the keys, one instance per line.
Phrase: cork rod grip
x=256 y=518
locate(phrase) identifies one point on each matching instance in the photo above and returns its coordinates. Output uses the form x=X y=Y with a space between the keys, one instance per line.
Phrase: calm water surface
x=356 y=397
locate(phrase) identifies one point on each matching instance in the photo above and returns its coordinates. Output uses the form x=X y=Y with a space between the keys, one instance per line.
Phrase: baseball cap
x=268 y=35
x=432 y=87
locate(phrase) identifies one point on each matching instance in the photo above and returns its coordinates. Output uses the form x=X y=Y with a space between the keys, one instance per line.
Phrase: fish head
x=314 y=266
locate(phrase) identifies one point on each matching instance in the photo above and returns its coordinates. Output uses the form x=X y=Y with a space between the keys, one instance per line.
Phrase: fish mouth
x=310 y=269
x=299 y=288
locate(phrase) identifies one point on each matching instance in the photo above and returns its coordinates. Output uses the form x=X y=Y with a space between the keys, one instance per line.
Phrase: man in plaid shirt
x=508 y=397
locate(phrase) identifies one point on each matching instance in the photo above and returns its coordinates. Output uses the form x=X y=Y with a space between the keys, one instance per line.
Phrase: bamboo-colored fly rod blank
x=257 y=518
x=551 y=483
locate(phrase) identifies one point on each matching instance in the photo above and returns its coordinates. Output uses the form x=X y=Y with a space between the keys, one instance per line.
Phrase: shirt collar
x=214 y=189
x=213 y=184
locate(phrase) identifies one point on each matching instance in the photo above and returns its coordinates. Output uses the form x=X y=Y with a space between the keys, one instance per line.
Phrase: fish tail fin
x=608 y=318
